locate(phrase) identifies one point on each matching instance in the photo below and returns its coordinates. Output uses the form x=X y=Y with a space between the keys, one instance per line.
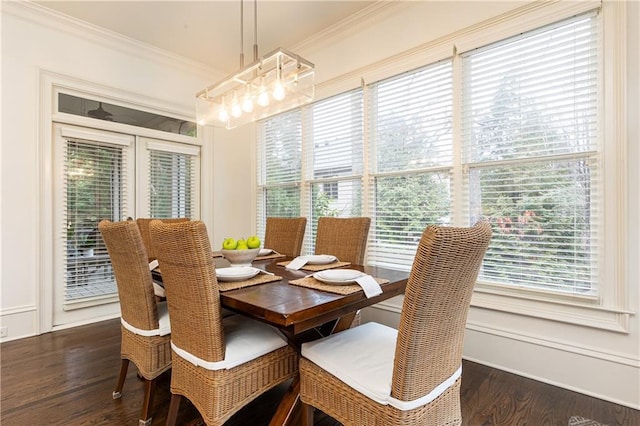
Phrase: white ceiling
x=209 y=31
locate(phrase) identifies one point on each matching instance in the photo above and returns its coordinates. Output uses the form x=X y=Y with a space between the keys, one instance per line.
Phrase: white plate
x=320 y=259
x=236 y=273
x=265 y=252
x=338 y=276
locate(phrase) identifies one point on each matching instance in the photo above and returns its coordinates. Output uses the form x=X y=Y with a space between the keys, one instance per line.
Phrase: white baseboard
x=85 y=322
x=601 y=378
x=19 y=321
x=601 y=374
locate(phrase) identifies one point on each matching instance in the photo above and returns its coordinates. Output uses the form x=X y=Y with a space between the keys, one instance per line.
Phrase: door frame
x=51 y=84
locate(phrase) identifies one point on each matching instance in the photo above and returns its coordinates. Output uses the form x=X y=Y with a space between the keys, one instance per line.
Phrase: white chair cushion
x=163 y=319
x=164 y=325
x=245 y=340
x=362 y=357
x=158 y=290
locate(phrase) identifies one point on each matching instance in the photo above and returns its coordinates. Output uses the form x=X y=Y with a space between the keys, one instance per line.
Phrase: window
x=279 y=167
x=333 y=141
x=530 y=150
x=330 y=190
x=171 y=170
x=98 y=181
x=412 y=160
x=508 y=132
x=330 y=135
x=85 y=107
x=95 y=189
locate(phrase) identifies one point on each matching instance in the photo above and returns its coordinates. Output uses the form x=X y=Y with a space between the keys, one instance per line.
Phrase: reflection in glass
x=109 y=112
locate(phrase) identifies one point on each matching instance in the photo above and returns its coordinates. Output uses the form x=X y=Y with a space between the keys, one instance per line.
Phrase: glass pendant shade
x=272 y=84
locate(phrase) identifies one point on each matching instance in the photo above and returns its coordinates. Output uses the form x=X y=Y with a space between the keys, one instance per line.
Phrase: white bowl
x=240 y=257
x=236 y=273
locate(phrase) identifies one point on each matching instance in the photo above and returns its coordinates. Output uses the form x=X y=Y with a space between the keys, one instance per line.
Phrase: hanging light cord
x=241 y=34
x=255 y=30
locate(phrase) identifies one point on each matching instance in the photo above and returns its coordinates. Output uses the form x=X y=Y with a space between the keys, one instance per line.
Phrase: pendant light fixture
x=277 y=82
x=100 y=113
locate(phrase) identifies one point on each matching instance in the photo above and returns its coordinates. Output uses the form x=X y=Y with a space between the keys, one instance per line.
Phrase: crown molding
x=352 y=24
x=49 y=18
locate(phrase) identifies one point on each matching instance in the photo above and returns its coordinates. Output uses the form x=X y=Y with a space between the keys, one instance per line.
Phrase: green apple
x=253 y=242
x=229 y=244
x=242 y=244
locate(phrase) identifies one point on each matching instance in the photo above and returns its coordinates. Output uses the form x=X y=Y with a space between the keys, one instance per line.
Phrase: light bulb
x=236 y=111
x=223 y=115
x=278 y=91
x=247 y=103
x=263 y=97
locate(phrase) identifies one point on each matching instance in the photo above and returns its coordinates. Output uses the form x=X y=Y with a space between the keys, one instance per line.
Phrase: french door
x=108 y=175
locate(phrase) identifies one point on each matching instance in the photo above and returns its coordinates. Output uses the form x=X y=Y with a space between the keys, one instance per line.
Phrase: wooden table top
x=296 y=309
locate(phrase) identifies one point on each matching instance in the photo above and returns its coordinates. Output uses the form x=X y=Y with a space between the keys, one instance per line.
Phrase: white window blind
x=279 y=167
x=525 y=154
x=95 y=189
x=333 y=141
x=172 y=184
x=411 y=140
x=530 y=146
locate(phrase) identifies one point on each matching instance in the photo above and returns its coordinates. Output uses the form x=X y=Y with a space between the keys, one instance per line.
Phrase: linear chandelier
x=277 y=82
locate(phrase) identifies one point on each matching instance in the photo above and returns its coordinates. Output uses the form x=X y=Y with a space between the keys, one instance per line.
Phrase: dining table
x=300 y=306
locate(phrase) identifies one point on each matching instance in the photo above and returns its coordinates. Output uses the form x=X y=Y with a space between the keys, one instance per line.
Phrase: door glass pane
x=171 y=184
x=93 y=185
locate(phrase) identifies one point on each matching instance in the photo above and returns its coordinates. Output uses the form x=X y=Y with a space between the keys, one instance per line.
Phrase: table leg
x=289 y=412
x=289 y=408
x=343 y=323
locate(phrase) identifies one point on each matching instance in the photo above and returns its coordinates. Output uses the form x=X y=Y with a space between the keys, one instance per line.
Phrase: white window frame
x=50 y=85
x=144 y=146
x=93 y=137
x=610 y=309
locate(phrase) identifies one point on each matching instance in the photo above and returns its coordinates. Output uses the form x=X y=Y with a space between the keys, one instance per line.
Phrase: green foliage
x=166 y=198
x=540 y=210
x=283 y=201
x=90 y=197
x=407 y=204
x=322 y=204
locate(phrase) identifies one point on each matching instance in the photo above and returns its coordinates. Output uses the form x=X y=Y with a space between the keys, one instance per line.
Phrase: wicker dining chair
x=376 y=375
x=285 y=234
x=143 y=224
x=145 y=323
x=346 y=239
x=343 y=237
x=219 y=364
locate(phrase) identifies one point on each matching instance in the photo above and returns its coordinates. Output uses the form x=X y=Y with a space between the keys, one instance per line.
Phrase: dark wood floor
x=66 y=378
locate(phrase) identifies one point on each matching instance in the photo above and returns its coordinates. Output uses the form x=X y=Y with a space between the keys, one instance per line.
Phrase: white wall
x=597 y=362
x=36 y=43
x=234 y=200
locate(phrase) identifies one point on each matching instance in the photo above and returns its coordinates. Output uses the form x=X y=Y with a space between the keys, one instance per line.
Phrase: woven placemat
x=258 y=279
x=273 y=255
x=311 y=282
x=316 y=268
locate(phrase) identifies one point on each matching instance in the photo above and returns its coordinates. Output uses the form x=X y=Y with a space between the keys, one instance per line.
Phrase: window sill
x=584 y=311
x=90 y=301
